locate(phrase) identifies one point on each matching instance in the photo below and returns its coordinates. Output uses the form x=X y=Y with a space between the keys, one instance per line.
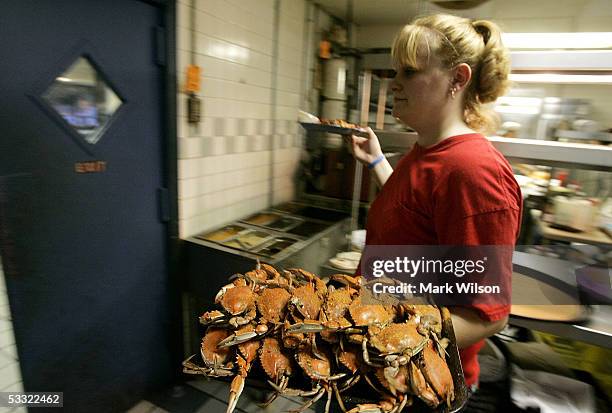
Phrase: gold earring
x=453 y=91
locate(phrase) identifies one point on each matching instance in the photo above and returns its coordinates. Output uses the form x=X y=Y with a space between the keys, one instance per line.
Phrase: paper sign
x=193 y=79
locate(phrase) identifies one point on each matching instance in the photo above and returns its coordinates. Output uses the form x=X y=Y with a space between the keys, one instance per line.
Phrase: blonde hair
x=454 y=40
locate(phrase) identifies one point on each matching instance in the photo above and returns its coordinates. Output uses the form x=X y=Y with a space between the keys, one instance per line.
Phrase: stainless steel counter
x=596 y=330
x=208 y=264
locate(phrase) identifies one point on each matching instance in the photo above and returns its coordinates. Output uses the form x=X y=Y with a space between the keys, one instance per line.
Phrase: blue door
x=81 y=171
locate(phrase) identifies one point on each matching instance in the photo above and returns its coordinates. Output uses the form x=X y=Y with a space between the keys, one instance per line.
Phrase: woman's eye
x=409 y=71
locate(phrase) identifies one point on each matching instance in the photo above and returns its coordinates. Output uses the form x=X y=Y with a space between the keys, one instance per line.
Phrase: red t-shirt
x=460 y=191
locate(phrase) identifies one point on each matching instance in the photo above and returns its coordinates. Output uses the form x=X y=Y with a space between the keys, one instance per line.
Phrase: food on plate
x=339 y=122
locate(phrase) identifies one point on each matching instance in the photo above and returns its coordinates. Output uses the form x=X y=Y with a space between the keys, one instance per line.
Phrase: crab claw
x=353 y=282
x=421 y=388
x=306 y=327
x=212 y=317
x=235 y=391
x=367 y=408
x=236 y=339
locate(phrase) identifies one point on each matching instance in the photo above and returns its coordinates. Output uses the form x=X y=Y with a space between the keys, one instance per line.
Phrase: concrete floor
x=204 y=396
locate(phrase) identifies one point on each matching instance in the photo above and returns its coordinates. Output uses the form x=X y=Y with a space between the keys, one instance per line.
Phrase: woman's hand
x=365 y=150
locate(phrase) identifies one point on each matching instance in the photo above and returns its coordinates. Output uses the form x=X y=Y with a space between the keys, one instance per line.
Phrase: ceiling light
x=580 y=40
x=519 y=100
x=560 y=78
x=522 y=110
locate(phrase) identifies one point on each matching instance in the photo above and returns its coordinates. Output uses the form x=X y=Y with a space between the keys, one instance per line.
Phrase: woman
x=453 y=187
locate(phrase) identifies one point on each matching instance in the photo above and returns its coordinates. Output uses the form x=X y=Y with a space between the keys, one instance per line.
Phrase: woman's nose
x=395 y=87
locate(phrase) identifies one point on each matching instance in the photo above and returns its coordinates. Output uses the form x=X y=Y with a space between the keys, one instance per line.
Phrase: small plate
x=318 y=127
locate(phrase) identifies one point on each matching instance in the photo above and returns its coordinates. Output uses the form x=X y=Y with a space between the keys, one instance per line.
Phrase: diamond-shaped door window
x=83 y=99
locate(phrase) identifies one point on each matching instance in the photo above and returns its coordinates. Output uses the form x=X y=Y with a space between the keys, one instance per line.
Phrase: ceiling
x=372 y=12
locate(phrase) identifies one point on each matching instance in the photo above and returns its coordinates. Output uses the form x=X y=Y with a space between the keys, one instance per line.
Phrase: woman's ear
x=462 y=76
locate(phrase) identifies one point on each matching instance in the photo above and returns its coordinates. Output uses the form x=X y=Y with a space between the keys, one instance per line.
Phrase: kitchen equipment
x=573 y=213
x=262 y=218
x=558 y=114
x=307 y=117
x=308 y=228
x=545 y=301
x=273 y=220
x=334 y=85
x=221 y=234
x=276 y=246
x=237 y=246
x=247 y=240
x=347 y=261
x=307 y=211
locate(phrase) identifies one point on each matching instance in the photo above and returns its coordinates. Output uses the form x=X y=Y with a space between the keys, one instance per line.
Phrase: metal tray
x=230 y=231
x=237 y=243
x=256 y=380
x=262 y=219
x=318 y=127
x=275 y=246
x=275 y=222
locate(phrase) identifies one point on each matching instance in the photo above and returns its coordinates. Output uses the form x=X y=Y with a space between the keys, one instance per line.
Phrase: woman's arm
x=382 y=171
x=470 y=328
x=366 y=151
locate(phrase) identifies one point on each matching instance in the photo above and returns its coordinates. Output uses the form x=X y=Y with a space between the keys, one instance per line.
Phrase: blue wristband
x=376 y=161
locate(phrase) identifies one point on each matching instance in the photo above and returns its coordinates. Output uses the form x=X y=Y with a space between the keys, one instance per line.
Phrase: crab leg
x=310 y=402
x=338 y=397
x=235 y=391
x=294 y=392
x=318 y=376
x=191 y=368
x=329 y=398
x=366 y=354
x=401 y=406
x=369 y=381
x=279 y=389
x=350 y=383
x=315 y=351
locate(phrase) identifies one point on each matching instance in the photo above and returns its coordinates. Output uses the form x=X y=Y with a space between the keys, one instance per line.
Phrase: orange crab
x=217 y=361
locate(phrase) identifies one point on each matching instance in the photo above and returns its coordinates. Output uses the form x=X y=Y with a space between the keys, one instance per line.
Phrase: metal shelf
x=592 y=136
x=552 y=153
x=531 y=151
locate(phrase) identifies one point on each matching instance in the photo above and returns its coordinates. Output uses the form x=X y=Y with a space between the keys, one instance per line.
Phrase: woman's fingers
x=359 y=140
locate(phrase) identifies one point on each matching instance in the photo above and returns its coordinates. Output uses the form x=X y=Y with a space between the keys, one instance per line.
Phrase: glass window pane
x=82 y=97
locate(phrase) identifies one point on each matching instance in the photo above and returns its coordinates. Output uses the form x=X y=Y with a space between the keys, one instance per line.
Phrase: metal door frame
x=170 y=177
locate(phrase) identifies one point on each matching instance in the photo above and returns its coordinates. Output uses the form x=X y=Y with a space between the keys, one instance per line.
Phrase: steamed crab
x=237 y=300
x=291 y=322
x=431 y=379
x=217 y=362
x=277 y=366
x=318 y=370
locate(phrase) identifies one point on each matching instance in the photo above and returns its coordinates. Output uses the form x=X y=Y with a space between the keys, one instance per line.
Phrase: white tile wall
x=225 y=162
x=10 y=374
